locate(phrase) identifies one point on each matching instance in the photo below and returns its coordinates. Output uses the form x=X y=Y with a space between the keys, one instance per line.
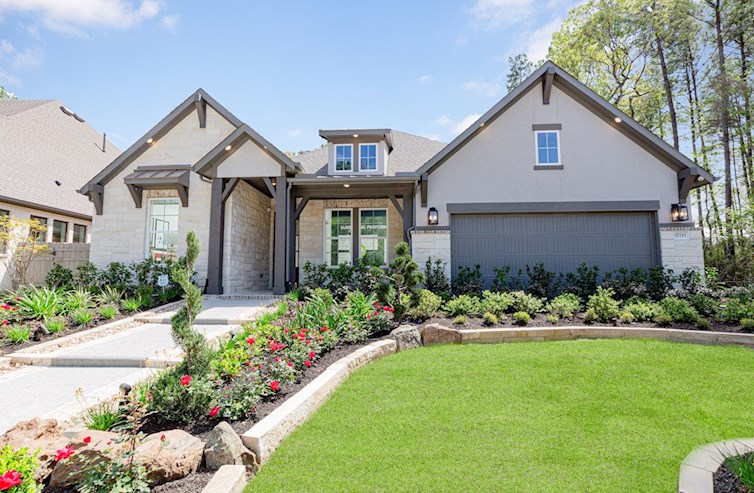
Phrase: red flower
x=9 y=480
x=275 y=385
x=312 y=354
x=5 y=322
x=185 y=380
x=6 y=307
x=64 y=453
x=15 y=308
x=277 y=359
x=324 y=329
x=163 y=438
x=307 y=363
x=290 y=365
x=286 y=330
x=109 y=443
x=87 y=440
x=18 y=298
x=213 y=412
x=251 y=340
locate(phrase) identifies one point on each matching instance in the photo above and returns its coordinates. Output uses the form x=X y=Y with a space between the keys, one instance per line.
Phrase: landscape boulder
x=38 y=434
x=437 y=334
x=174 y=457
x=406 y=337
x=224 y=447
x=90 y=447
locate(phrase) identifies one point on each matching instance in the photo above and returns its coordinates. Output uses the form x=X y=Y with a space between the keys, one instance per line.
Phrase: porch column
x=216 y=234
x=408 y=215
x=291 y=240
x=279 y=255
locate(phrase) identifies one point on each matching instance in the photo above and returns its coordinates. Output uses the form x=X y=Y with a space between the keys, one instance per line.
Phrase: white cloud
x=433 y=137
x=483 y=87
x=170 y=21
x=539 y=41
x=69 y=16
x=5 y=47
x=28 y=58
x=462 y=40
x=294 y=133
x=7 y=79
x=423 y=79
x=490 y=14
x=454 y=126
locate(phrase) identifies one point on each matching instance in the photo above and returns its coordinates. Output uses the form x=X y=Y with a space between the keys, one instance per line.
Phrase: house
x=47 y=152
x=552 y=173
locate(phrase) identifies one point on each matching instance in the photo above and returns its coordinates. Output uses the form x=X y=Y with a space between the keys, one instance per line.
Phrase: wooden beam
x=278 y=284
x=97 y=197
x=684 y=187
x=201 y=110
x=547 y=85
x=229 y=187
x=290 y=240
x=135 y=194
x=424 y=189
x=408 y=216
x=300 y=208
x=216 y=237
x=183 y=194
x=396 y=204
x=270 y=186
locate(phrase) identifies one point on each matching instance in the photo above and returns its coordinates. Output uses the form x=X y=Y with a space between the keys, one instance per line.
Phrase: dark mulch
x=727 y=482
x=540 y=320
x=190 y=484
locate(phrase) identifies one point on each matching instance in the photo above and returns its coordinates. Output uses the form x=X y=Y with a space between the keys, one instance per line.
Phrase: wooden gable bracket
x=396 y=204
x=201 y=110
x=97 y=196
x=228 y=188
x=270 y=187
x=424 y=188
x=300 y=207
x=547 y=81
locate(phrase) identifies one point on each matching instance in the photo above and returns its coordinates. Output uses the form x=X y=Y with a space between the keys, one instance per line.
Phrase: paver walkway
x=99 y=366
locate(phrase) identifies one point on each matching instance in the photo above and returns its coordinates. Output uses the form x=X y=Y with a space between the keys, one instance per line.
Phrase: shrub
x=468 y=280
x=590 y=316
x=131 y=305
x=583 y=282
x=747 y=324
x=435 y=279
x=148 y=271
x=87 y=276
x=625 y=283
x=427 y=305
x=663 y=319
x=521 y=318
x=501 y=281
x=542 y=283
x=496 y=303
x=116 y=275
x=691 y=280
x=39 y=303
x=641 y=310
x=564 y=305
x=104 y=416
x=79 y=299
x=18 y=334
x=703 y=323
x=704 y=304
x=553 y=319
x=323 y=294
x=315 y=276
x=109 y=296
x=59 y=277
x=25 y=464
x=627 y=318
x=489 y=319
x=604 y=305
x=82 y=316
x=55 y=324
x=462 y=305
x=145 y=292
x=404 y=277
x=460 y=320
x=659 y=282
x=379 y=322
x=174 y=401
x=735 y=310
x=107 y=312
x=679 y=310
x=527 y=303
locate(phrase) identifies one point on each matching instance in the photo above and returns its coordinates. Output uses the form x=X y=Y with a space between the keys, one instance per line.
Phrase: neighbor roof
x=41 y=144
x=408 y=154
x=550 y=73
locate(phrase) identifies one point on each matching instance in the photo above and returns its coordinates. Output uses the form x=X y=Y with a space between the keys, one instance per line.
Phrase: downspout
x=288 y=231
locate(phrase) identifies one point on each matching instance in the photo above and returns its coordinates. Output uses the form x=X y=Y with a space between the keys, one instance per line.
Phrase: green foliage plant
x=604 y=305
x=427 y=305
x=524 y=302
x=18 y=334
x=489 y=319
x=521 y=318
x=59 y=277
x=679 y=310
x=564 y=305
x=468 y=280
x=496 y=302
x=460 y=320
x=39 y=303
x=435 y=279
x=462 y=305
x=26 y=466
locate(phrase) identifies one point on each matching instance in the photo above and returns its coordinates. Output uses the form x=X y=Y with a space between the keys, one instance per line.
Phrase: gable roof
x=244 y=133
x=42 y=145
x=550 y=73
x=408 y=154
x=198 y=100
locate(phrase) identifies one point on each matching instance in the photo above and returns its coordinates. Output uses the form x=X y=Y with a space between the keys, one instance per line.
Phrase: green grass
x=571 y=416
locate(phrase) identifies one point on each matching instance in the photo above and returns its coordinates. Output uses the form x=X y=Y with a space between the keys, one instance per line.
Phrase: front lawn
x=570 y=416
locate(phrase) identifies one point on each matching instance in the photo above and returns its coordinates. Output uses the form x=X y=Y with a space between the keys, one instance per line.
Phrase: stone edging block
x=698 y=468
x=227 y=479
x=266 y=435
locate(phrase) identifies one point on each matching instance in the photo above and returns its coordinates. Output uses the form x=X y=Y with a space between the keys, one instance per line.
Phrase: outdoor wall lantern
x=679 y=212
x=433 y=217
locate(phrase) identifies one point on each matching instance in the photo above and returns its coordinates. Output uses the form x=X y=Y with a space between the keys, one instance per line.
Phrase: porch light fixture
x=346 y=185
x=618 y=119
x=355 y=136
x=150 y=140
x=228 y=147
x=679 y=212
x=433 y=217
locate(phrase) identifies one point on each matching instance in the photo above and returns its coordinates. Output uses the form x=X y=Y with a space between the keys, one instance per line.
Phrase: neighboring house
x=47 y=152
x=552 y=174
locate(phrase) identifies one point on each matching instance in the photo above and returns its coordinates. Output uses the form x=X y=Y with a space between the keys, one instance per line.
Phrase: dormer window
x=368 y=157
x=343 y=157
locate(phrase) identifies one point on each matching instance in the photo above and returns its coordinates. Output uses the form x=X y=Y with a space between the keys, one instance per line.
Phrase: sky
x=287 y=68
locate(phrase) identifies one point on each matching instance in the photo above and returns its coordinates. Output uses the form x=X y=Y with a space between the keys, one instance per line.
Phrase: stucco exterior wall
x=681 y=248
x=599 y=162
x=119 y=234
x=246 y=251
x=311 y=227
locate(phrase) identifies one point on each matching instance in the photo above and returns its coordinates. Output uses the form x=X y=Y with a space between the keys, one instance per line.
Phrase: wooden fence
x=69 y=255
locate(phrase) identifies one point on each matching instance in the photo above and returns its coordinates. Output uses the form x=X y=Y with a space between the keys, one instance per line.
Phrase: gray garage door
x=560 y=241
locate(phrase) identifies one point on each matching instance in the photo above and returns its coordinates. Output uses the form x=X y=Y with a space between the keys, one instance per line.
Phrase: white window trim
x=536 y=148
x=147 y=253
x=387 y=230
x=376 y=157
x=325 y=236
x=335 y=159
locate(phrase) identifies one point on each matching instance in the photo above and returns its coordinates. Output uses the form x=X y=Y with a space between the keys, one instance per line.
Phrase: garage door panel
x=560 y=241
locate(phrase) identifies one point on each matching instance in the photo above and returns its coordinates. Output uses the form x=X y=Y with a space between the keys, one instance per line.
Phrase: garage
x=561 y=241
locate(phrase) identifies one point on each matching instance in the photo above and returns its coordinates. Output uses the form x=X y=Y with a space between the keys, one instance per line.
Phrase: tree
x=22 y=240
x=520 y=68
x=5 y=94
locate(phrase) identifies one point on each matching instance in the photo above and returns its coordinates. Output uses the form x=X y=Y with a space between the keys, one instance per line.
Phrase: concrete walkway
x=97 y=367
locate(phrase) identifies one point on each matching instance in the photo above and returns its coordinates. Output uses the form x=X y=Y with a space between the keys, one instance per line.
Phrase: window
x=338 y=236
x=79 y=233
x=162 y=228
x=42 y=222
x=343 y=157
x=548 y=150
x=368 y=157
x=59 y=231
x=373 y=235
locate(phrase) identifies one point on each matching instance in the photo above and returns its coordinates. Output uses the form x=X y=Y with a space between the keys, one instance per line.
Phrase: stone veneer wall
x=431 y=243
x=681 y=248
x=246 y=251
x=311 y=227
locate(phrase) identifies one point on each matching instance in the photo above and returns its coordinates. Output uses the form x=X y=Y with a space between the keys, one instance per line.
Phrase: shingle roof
x=410 y=152
x=40 y=145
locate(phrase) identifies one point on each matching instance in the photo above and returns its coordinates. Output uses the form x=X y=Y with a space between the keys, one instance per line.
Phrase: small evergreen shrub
x=679 y=310
x=501 y=281
x=527 y=303
x=553 y=319
x=663 y=320
x=55 y=324
x=468 y=280
x=625 y=283
x=747 y=324
x=460 y=320
x=583 y=282
x=496 y=303
x=627 y=318
x=590 y=316
x=643 y=311
x=315 y=276
x=521 y=318
x=704 y=304
x=659 y=282
x=82 y=316
x=87 y=276
x=131 y=305
x=427 y=305
x=735 y=310
x=489 y=319
x=107 y=312
x=59 y=277
x=703 y=323
x=435 y=279
x=605 y=307
x=542 y=283
x=564 y=305
x=462 y=305
x=116 y=275
x=18 y=334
